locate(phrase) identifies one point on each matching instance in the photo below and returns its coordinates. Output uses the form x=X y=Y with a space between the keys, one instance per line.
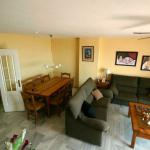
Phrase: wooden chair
x=31 y=105
x=30 y=79
x=68 y=91
x=28 y=86
x=37 y=81
x=65 y=75
x=57 y=99
x=45 y=78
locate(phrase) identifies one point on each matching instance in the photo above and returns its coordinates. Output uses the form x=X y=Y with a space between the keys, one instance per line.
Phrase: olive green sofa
x=90 y=129
x=130 y=89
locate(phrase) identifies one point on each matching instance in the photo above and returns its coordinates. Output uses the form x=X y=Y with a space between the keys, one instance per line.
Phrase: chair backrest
x=29 y=100
x=28 y=86
x=37 y=81
x=61 y=92
x=65 y=75
x=45 y=78
x=58 y=97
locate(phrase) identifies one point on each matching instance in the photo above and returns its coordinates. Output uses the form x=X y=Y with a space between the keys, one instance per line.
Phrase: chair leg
x=28 y=114
x=58 y=111
x=36 y=117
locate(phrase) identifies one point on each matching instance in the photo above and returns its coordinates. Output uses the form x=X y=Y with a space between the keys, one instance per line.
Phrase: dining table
x=48 y=88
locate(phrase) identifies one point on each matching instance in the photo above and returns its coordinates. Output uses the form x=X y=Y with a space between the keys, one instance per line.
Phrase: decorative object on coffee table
x=144 y=114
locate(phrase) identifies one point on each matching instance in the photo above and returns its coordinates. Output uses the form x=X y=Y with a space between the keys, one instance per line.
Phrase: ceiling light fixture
x=36 y=32
x=50 y=35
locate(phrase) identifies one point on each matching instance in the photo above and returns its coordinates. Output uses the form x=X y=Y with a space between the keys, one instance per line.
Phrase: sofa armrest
x=114 y=90
x=107 y=93
x=94 y=123
x=78 y=129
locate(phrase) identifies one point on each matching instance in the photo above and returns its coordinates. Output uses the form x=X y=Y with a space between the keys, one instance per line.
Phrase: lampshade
x=108 y=71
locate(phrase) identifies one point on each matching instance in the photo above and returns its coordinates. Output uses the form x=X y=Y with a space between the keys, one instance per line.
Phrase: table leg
x=129 y=112
x=133 y=139
x=48 y=106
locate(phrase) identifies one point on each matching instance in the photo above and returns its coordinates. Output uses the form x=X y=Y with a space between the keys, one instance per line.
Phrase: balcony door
x=10 y=81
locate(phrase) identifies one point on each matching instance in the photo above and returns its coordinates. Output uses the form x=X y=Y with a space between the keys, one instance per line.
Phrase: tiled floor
x=50 y=132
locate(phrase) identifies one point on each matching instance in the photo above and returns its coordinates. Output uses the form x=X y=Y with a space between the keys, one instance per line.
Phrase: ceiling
x=75 y=18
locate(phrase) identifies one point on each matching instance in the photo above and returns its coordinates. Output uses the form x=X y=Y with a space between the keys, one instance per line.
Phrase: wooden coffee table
x=139 y=127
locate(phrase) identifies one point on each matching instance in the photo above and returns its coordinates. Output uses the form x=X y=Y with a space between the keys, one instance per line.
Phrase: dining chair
x=68 y=91
x=57 y=99
x=32 y=105
x=37 y=81
x=65 y=75
x=45 y=78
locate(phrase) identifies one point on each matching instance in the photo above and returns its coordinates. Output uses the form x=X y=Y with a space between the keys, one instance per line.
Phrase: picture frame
x=145 y=64
x=126 y=58
x=88 y=53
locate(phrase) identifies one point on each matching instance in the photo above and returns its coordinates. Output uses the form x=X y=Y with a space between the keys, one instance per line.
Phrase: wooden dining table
x=46 y=89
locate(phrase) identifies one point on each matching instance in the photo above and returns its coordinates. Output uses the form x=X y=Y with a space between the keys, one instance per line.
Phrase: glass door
x=10 y=78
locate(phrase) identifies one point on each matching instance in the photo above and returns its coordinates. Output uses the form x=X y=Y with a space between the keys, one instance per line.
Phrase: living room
x=40 y=44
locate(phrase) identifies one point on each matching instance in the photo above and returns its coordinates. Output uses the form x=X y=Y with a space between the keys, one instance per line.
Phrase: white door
x=10 y=81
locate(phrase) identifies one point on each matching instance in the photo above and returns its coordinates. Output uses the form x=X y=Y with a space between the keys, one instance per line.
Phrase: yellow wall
x=88 y=69
x=108 y=48
x=34 y=51
x=65 y=52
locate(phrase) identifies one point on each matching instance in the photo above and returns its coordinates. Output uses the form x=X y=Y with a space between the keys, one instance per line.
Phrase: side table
x=102 y=85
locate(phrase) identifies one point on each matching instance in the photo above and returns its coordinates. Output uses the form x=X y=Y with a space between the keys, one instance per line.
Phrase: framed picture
x=126 y=58
x=87 y=53
x=145 y=65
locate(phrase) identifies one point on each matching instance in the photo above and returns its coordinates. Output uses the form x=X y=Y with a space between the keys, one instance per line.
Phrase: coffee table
x=139 y=126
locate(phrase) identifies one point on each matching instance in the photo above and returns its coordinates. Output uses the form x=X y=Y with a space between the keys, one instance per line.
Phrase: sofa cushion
x=125 y=80
x=127 y=97
x=88 y=110
x=123 y=88
x=101 y=113
x=107 y=93
x=104 y=102
x=125 y=83
x=97 y=94
x=144 y=87
x=88 y=86
x=143 y=91
x=90 y=99
x=82 y=94
x=76 y=103
x=94 y=123
x=144 y=82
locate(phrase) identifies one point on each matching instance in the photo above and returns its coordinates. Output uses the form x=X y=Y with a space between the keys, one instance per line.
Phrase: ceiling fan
x=142 y=33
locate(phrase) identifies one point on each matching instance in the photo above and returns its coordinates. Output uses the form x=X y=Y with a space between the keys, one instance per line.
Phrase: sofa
x=130 y=89
x=77 y=125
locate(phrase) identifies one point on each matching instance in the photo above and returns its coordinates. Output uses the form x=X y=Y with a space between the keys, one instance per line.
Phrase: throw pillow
x=88 y=110
x=97 y=94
